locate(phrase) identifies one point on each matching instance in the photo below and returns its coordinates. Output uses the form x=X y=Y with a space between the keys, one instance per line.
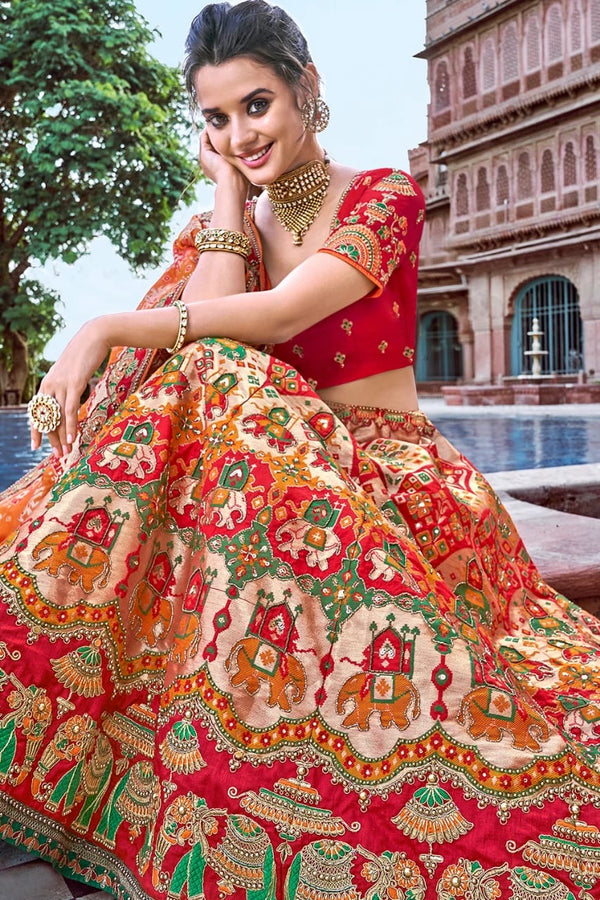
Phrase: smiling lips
x=258 y=158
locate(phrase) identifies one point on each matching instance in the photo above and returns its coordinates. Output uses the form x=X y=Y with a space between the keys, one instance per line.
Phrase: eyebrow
x=214 y=109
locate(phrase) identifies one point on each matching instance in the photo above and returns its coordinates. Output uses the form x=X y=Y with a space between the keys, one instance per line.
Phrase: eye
x=258 y=106
x=217 y=121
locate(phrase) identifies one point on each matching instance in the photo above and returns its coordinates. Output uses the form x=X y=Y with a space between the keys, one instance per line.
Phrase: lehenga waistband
x=408 y=420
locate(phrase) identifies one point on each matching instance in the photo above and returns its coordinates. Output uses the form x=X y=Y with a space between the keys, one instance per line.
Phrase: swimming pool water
x=493 y=442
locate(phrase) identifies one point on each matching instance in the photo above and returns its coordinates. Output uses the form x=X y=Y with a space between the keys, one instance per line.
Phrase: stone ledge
x=520 y=394
x=564 y=546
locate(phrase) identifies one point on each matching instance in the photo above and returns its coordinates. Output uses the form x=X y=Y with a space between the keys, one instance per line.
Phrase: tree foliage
x=93 y=141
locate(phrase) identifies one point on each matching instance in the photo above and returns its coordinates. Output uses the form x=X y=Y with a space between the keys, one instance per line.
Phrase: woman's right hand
x=216 y=167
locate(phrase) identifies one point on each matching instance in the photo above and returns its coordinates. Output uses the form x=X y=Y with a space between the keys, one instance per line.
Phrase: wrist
x=99 y=330
x=232 y=188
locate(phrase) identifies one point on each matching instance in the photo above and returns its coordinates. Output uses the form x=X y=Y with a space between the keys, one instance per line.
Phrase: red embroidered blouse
x=377 y=229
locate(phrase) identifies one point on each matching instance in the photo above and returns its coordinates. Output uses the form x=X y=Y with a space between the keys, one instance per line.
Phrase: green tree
x=93 y=134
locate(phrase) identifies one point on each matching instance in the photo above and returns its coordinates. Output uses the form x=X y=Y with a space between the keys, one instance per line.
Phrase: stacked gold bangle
x=183 y=322
x=223 y=239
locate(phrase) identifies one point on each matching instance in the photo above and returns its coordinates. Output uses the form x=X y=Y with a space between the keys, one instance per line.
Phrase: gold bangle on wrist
x=183 y=323
x=223 y=239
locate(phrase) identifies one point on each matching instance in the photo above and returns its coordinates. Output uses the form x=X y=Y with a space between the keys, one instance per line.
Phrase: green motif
x=228 y=349
x=349 y=250
x=248 y=554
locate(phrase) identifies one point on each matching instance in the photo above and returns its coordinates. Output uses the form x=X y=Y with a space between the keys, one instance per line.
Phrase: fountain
x=536 y=353
x=532 y=388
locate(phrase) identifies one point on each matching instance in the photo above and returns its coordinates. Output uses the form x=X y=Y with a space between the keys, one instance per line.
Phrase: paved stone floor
x=23 y=877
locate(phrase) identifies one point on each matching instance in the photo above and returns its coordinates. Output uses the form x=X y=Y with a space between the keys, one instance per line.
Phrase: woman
x=266 y=634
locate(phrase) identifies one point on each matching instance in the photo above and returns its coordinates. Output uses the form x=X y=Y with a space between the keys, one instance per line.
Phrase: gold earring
x=315 y=114
x=322 y=115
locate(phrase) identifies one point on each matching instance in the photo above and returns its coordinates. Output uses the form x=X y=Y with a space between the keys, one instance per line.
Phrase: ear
x=308 y=86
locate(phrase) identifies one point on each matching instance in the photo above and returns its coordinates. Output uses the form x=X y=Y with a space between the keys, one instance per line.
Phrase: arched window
x=462 y=195
x=569 y=166
x=594 y=7
x=532 y=45
x=576 y=28
x=442 y=87
x=439 y=353
x=591 y=162
x=469 y=79
x=554 y=34
x=501 y=186
x=482 y=192
x=524 y=179
x=548 y=178
x=437 y=233
x=554 y=302
x=488 y=65
x=510 y=54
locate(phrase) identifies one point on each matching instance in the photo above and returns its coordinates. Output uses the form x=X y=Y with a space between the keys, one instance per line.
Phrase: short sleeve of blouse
x=382 y=229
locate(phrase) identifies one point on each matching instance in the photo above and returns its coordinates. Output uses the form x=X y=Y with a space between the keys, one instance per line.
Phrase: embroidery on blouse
x=400 y=183
x=359 y=244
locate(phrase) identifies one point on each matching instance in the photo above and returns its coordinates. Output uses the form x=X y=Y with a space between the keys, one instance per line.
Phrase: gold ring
x=44 y=413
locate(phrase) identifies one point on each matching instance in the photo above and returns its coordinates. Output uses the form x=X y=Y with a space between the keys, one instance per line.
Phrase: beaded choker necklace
x=297 y=197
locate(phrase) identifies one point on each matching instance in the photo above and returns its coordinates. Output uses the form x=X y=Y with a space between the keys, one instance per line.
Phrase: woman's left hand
x=67 y=380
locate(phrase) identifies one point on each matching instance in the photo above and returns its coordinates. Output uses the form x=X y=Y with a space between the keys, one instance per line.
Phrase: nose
x=242 y=134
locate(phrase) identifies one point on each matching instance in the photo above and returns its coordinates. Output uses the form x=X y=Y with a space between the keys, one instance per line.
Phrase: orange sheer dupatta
x=126 y=369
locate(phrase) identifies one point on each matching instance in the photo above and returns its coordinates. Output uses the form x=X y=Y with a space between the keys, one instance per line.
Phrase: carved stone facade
x=510 y=171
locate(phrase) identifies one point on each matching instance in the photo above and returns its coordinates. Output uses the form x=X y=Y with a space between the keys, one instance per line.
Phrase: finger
x=55 y=443
x=70 y=423
x=36 y=438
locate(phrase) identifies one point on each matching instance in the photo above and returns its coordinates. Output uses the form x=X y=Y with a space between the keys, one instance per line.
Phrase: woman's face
x=253 y=119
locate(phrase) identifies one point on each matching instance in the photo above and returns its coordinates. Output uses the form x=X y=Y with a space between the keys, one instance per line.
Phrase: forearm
x=248 y=318
x=219 y=273
x=313 y=290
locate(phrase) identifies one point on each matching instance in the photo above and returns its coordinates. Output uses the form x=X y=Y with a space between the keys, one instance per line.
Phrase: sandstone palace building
x=510 y=171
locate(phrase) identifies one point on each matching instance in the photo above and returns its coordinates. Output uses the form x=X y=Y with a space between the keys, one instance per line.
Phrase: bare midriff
x=387 y=390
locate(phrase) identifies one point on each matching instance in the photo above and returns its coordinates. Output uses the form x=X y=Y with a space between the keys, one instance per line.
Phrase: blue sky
x=364 y=51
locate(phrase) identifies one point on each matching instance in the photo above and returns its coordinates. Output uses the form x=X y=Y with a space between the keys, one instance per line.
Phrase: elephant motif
x=388 y=562
x=186 y=638
x=491 y=712
x=320 y=543
x=185 y=495
x=543 y=622
x=31 y=713
x=242 y=858
x=582 y=721
x=391 y=695
x=70 y=744
x=272 y=427
x=227 y=505
x=95 y=777
x=258 y=661
x=135 y=799
x=171 y=380
x=150 y=614
x=86 y=564
x=139 y=459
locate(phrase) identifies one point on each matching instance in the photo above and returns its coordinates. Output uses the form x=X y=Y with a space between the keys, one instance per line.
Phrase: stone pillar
x=587 y=285
x=466 y=342
x=591 y=348
x=479 y=310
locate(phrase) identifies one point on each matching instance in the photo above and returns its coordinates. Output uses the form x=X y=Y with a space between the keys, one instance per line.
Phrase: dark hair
x=254 y=28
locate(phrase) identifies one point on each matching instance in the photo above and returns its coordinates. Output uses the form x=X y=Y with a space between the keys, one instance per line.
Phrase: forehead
x=216 y=86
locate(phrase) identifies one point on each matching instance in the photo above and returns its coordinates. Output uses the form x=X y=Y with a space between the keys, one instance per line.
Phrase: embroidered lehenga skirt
x=253 y=647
